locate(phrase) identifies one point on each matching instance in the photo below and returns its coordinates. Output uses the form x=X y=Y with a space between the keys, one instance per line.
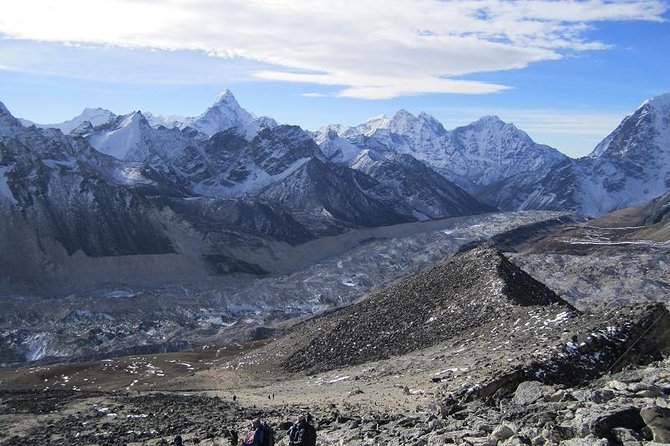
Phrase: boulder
x=657 y=420
x=503 y=432
x=529 y=392
x=626 y=417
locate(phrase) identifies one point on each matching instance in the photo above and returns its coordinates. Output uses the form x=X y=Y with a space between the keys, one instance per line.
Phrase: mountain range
x=221 y=191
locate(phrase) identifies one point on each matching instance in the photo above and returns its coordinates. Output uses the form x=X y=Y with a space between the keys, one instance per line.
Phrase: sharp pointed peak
x=225 y=97
x=3 y=109
x=403 y=112
x=7 y=117
x=132 y=117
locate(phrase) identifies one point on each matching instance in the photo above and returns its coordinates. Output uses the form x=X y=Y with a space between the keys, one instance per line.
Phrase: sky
x=566 y=72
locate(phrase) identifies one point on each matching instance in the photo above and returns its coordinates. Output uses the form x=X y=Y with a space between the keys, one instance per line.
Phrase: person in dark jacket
x=302 y=433
x=255 y=435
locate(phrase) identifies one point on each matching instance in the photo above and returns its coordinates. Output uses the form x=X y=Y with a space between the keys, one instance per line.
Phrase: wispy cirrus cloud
x=371 y=49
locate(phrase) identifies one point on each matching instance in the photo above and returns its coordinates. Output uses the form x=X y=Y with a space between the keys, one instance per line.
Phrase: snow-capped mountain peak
x=370 y=126
x=225 y=113
x=96 y=116
x=403 y=122
x=660 y=102
x=3 y=109
x=435 y=125
x=124 y=135
x=227 y=97
x=8 y=123
x=651 y=119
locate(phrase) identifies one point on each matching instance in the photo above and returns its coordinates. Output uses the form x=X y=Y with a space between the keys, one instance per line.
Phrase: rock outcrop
x=472 y=290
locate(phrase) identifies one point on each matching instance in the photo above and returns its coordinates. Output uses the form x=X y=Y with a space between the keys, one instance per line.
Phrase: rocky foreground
x=626 y=408
x=472 y=351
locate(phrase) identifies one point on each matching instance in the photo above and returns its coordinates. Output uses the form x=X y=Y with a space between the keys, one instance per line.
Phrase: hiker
x=233 y=437
x=302 y=433
x=255 y=437
x=178 y=441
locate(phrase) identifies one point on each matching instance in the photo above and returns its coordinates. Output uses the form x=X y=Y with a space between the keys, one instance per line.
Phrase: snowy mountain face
x=335 y=148
x=502 y=166
x=127 y=187
x=131 y=138
x=63 y=204
x=62 y=192
x=632 y=165
x=490 y=150
x=225 y=114
x=93 y=116
x=629 y=167
x=474 y=156
x=231 y=166
x=328 y=198
x=429 y=194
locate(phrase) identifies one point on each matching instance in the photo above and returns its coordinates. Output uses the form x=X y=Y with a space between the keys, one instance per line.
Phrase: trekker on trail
x=255 y=435
x=302 y=433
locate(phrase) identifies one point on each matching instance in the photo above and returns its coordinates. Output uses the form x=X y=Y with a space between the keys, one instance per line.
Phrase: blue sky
x=566 y=72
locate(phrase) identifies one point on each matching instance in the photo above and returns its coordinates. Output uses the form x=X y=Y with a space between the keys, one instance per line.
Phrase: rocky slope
x=424 y=310
x=530 y=378
x=107 y=318
x=625 y=408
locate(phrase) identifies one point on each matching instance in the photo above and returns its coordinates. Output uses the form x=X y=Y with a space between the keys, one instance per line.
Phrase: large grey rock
x=657 y=420
x=626 y=437
x=529 y=392
x=627 y=417
x=586 y=441
x=503 y=432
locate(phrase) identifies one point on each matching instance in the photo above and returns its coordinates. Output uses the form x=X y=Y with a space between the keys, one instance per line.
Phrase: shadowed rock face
x=472 y=290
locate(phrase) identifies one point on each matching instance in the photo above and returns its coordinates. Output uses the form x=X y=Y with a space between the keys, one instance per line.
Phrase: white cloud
x=372 y=48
